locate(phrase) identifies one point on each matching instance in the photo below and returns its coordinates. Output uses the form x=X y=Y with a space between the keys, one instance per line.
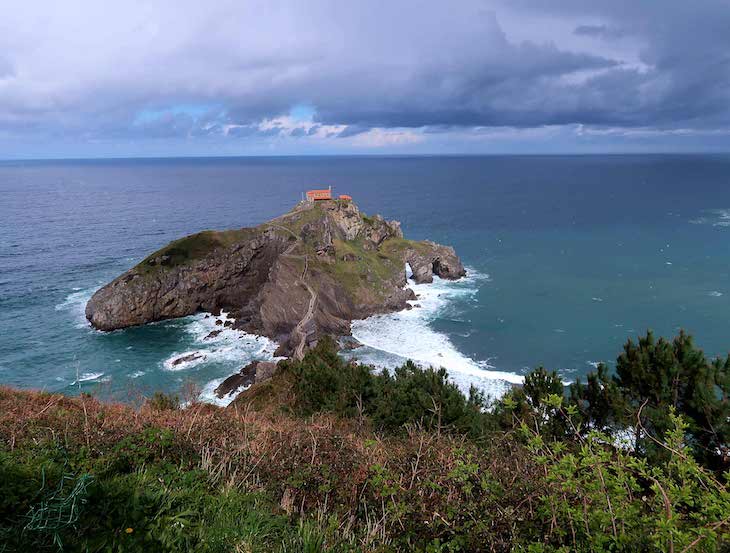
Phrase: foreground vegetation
x=329 y=456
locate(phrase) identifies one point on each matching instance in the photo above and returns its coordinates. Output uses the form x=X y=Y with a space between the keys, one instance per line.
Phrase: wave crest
x=389 y=340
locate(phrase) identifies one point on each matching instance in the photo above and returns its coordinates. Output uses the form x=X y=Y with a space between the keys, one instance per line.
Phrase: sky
x=179 y=78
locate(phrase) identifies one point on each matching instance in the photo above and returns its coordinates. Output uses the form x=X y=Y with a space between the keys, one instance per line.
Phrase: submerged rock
x=187 y=358
x=349 y=343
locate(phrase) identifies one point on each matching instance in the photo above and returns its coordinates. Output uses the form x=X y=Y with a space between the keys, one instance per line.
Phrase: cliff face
x=307 y=273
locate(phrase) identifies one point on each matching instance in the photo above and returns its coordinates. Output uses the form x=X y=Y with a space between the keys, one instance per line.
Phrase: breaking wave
x=227 y=346
x=75 y=303
x=87 y=377
x=714 y=217
x=208 y=395
x=391 y=339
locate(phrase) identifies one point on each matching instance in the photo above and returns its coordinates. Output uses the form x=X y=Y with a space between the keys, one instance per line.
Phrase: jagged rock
x=253 y=373
x=434 y=259
x=241 y=380
x=212 y=334
x=324 y=262
x=265 y=370
x=187 y=358
x=349 y=343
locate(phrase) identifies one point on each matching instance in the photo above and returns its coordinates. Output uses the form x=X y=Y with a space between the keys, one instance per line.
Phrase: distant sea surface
x=568 y=256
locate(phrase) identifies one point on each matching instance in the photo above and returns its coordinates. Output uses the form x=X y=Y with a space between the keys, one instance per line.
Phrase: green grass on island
x=191 y=248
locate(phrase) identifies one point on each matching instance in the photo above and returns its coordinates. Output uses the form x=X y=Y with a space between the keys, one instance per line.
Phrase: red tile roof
x=324 y=194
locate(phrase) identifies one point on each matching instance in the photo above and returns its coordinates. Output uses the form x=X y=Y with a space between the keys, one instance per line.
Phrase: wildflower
x=129 y=530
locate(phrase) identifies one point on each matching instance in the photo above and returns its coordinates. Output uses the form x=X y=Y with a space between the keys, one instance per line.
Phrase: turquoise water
x=568 y=256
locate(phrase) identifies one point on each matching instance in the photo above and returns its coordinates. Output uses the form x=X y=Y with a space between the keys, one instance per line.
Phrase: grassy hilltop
x=354 y=263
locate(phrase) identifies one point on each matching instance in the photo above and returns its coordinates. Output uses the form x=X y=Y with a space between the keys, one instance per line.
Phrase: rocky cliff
x=304 y=274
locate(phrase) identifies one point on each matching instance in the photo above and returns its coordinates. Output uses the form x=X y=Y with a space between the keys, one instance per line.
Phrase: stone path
x=299 y=329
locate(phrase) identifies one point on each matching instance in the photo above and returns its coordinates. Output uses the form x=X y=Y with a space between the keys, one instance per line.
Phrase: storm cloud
x=340 y=71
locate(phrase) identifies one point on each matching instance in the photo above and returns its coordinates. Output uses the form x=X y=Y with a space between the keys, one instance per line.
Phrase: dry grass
x=378 y=486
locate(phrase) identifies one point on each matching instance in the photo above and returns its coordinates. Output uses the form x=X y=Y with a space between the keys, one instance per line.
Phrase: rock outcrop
x=253 y=373
x=294 y=279
x=434 y=259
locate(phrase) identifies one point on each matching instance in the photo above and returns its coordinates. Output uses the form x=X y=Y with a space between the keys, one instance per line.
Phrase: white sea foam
x=723 y=217
x=208 y=395
x=75 y=303
x=229 y=345
x=136 y=374
x=175 y=362
x=715 y=217
x=715 y=294
x=395 y=337
x=88 y=377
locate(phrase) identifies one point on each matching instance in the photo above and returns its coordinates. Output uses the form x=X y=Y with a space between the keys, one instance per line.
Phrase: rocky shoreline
x=301 y=276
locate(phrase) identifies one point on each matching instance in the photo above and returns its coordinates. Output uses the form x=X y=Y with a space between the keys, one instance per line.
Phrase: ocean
x=568 y=257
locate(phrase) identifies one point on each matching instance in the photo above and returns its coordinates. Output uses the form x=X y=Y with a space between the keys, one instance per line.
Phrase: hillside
x=329 y=456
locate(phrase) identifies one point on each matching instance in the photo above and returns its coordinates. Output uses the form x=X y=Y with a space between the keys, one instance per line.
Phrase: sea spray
x=390 y=339
x=75 y=303
x=231 y=347
x=208 y=395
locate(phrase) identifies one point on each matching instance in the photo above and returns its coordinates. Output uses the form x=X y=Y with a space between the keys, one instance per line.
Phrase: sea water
x=567 y=258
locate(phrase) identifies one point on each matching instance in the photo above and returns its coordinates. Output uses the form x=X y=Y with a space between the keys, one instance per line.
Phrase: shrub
x=654 y=377
x=324 y=381
x=162 y=402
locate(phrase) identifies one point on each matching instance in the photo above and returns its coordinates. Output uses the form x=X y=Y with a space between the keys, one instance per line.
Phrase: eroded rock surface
x=434 y=259
x=253 y=373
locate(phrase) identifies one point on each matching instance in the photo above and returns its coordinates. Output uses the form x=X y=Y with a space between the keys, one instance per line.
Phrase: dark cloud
x=89 y=71
x=352 y=130
x=599 y=31
x=683 y=49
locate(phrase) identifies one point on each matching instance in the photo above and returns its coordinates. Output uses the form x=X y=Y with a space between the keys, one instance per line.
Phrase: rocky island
x=305 y=274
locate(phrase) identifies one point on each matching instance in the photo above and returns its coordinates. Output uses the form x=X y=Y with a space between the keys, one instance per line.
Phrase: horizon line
x=360 y=155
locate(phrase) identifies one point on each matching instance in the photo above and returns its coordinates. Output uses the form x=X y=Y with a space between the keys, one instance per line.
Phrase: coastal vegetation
x=190 y=248
x=329 y=455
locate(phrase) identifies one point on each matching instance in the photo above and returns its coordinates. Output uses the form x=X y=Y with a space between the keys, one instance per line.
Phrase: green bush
x=163 y=402
x=324 y=381
x=654 y=377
